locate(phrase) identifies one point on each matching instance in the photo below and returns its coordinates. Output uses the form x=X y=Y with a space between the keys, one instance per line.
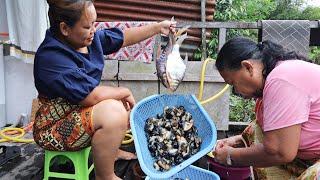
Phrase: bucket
x=193 y=173
x=137 y=172
x=229 y=173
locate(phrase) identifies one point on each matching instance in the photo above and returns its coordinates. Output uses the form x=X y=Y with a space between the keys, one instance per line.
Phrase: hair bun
x=260 y=46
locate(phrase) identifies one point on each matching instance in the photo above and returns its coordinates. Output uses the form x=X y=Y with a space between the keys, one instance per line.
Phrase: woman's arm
x=101 y=93
x=278 y=147
x=137 y=34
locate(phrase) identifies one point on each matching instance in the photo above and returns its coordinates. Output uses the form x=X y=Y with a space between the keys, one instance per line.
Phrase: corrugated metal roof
x=153 y=10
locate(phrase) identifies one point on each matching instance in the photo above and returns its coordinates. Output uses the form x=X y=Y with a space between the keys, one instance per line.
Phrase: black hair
x=238 y=49
x=68 y=11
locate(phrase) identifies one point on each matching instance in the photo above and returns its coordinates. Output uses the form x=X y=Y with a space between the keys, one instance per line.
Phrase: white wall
x=2 y=90
x=27 y=30
x=3 y=17
x=3 y=29
x=20 y=89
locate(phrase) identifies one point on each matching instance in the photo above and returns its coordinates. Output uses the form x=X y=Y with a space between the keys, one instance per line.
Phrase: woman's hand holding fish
x=167 y=26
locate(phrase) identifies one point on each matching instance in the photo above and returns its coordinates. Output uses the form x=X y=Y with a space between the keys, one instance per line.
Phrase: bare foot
x=125 y=155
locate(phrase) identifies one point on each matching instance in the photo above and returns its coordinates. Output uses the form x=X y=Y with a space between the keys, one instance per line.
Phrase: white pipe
x=2 y=90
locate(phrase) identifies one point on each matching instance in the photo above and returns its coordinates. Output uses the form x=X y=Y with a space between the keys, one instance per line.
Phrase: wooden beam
x=239 y=123
x=222 y=37
x=203 y=30
x=213 y=25
x=231 y=25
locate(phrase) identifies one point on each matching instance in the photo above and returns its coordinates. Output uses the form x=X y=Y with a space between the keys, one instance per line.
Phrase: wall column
x=2 y=90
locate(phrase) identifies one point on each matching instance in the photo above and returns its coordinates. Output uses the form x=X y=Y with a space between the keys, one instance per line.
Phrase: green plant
x=236 y=10
x=241 y=109
x=287 y=9
x=311 y=13
x=314 y=54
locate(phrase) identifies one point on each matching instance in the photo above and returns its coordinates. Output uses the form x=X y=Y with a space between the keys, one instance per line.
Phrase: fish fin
x=172 y=19
x=169 y=78
x=172 y=83
x=165 y=80
x=182 y=30
x=186 y=58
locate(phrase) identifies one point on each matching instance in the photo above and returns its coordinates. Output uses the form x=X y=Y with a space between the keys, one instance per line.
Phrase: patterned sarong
x=61 y=126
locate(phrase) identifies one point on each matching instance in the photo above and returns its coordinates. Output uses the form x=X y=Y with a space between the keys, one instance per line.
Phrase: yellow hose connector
x=128 y=138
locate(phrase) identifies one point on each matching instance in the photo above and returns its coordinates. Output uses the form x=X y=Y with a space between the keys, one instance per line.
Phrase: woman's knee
x=110 y=114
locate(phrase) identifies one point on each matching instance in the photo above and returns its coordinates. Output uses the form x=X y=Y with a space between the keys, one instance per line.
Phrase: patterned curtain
x=142 y=51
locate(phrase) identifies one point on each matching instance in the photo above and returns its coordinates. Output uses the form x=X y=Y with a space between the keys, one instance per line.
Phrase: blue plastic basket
x=153 y=105
x=193 y=172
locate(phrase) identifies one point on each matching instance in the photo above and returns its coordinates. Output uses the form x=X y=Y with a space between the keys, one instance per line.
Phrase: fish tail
x=181 y=39
x=182 y=30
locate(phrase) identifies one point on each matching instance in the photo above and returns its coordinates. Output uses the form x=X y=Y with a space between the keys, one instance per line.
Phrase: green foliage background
x=252 y=11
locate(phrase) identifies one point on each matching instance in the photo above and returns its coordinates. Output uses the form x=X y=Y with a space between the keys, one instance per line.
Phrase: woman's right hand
x=167 y=26
x=127 y=99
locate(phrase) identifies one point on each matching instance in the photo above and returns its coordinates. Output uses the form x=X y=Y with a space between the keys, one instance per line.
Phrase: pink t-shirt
x=292 y=96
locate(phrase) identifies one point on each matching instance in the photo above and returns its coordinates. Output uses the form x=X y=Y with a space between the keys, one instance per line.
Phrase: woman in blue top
x=75 y=111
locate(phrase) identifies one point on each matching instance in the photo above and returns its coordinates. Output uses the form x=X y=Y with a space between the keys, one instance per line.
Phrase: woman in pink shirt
x=287 y=90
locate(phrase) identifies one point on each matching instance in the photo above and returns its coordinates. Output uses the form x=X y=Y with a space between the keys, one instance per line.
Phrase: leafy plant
x=241 y=109
x=311 y=13
x=314 y=54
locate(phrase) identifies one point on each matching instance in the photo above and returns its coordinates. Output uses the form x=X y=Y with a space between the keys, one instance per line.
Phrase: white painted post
x=2 y=90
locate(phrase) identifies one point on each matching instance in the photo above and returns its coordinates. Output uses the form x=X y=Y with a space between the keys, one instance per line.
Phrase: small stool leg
x=46 y=169
x=81 y=166
x=79 y=160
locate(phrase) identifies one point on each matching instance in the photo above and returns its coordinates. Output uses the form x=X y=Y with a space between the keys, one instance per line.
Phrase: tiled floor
x=27 y=165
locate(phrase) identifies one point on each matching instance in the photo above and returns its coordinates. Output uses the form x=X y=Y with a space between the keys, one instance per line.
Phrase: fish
x=169 y=65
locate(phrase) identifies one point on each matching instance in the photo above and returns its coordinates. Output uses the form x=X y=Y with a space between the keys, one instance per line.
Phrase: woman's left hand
x=221 y=153
x=167 y=26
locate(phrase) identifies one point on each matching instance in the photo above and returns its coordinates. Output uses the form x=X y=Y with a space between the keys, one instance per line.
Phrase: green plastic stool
x=79 y=160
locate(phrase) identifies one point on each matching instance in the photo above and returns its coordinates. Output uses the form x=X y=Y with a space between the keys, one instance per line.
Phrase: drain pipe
x=2 y=89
